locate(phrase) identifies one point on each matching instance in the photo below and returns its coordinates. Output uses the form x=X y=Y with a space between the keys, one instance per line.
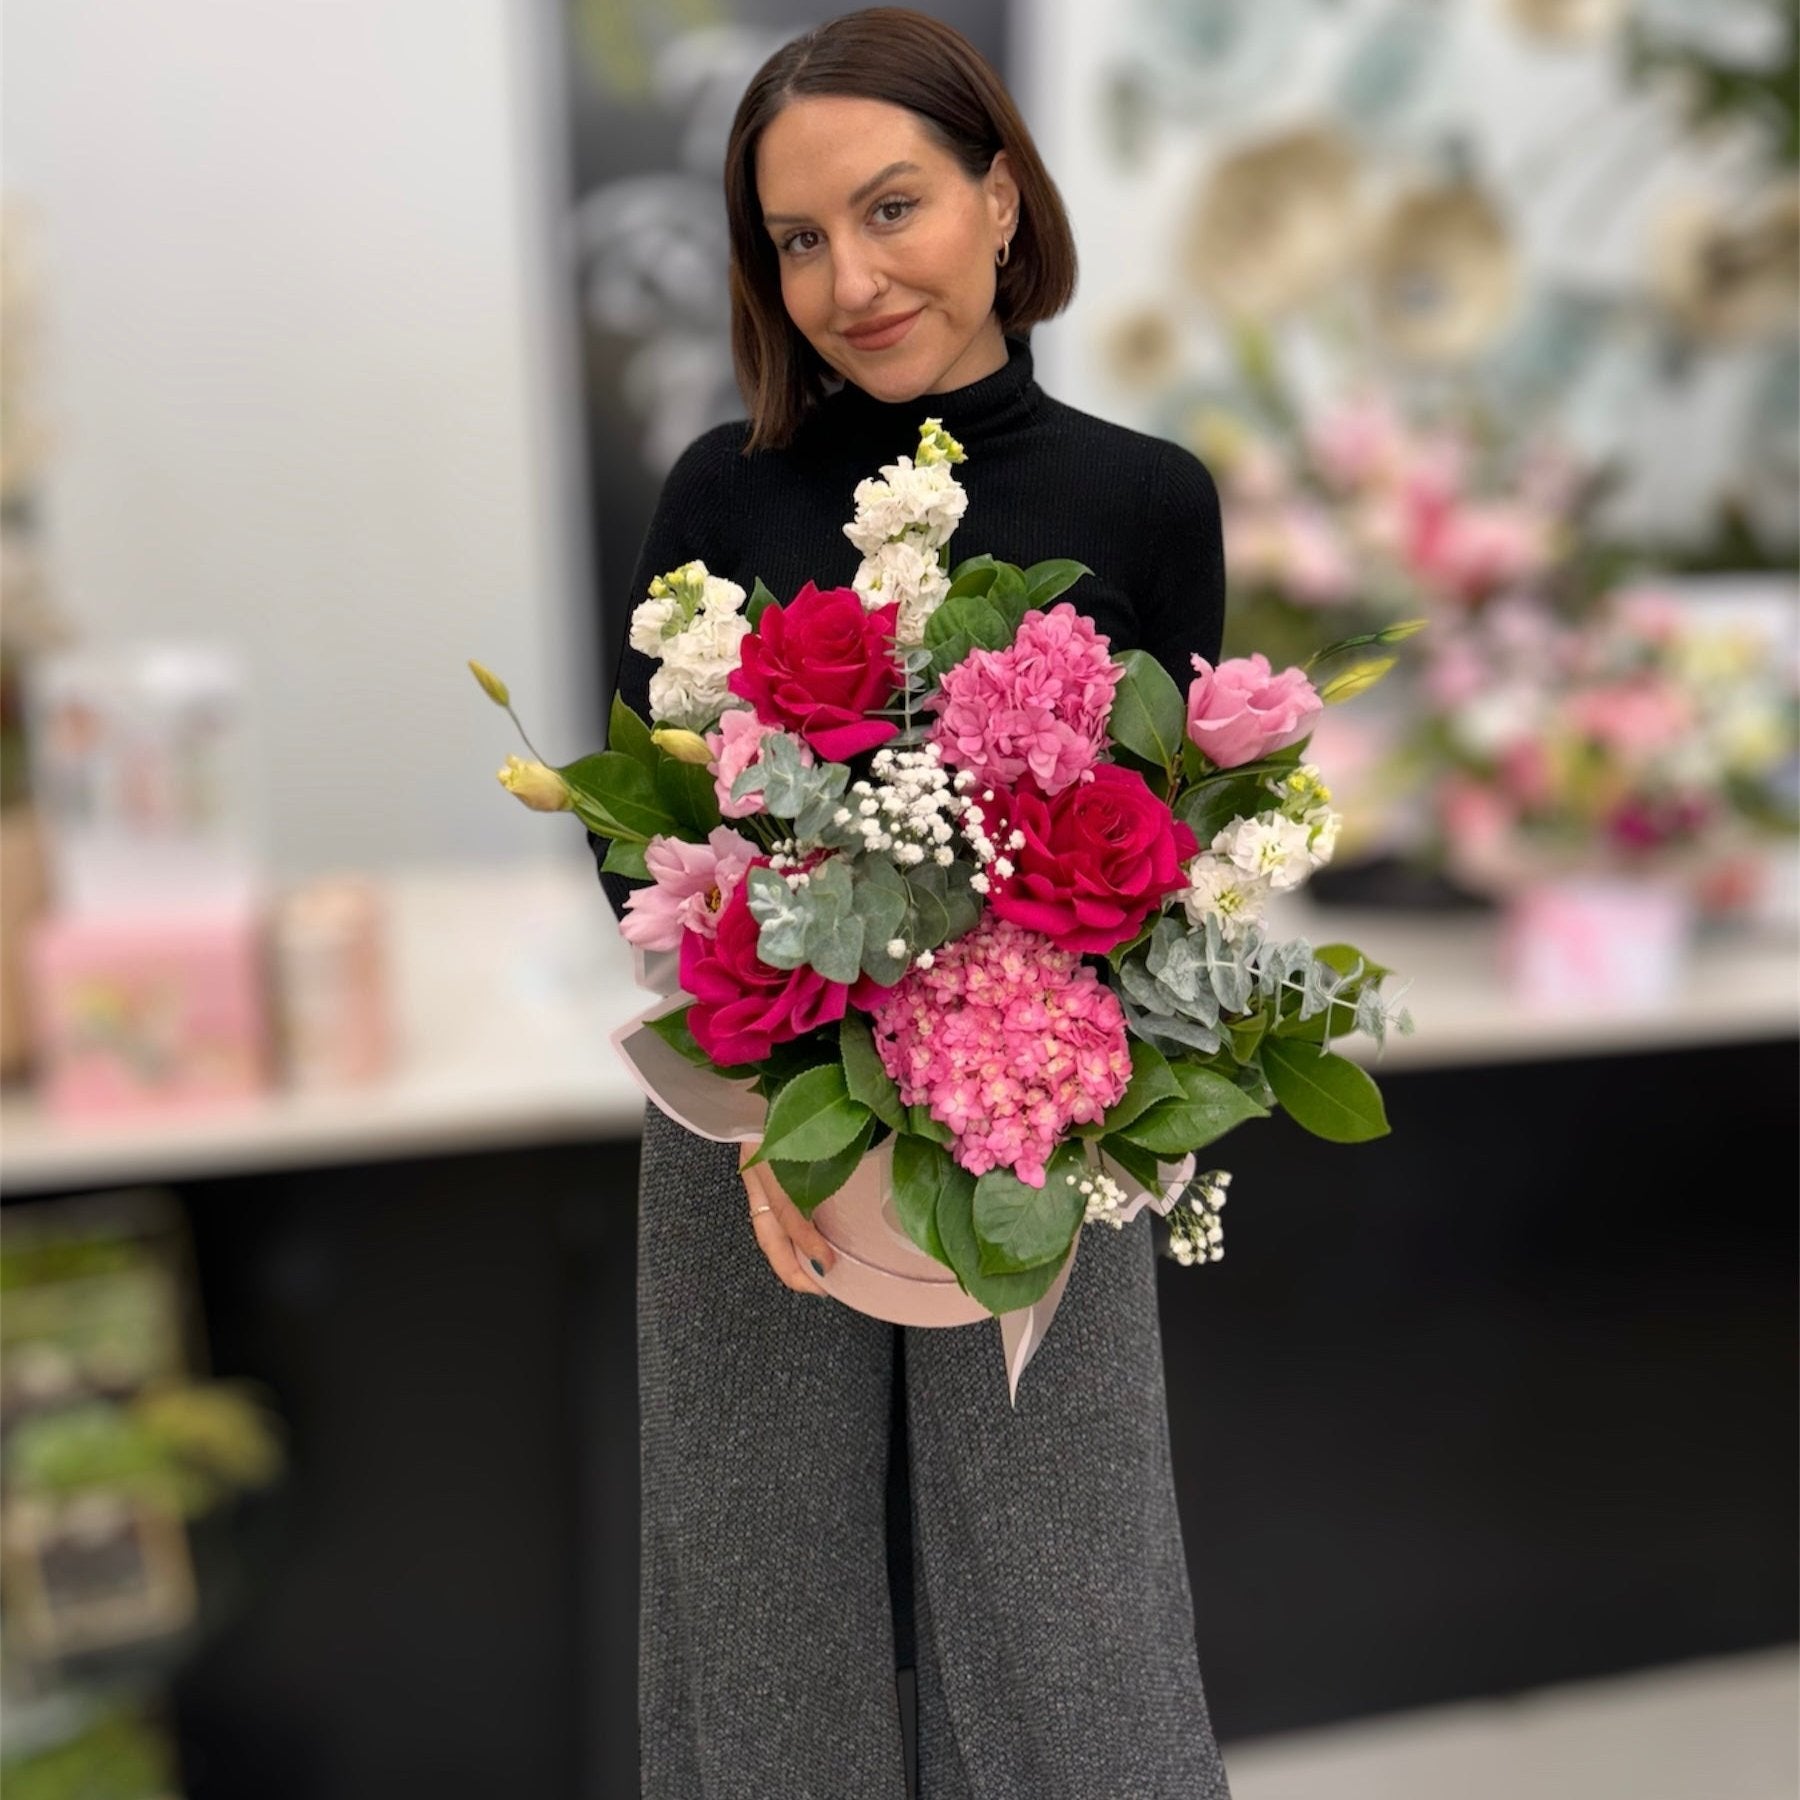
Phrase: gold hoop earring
x=1005 y=251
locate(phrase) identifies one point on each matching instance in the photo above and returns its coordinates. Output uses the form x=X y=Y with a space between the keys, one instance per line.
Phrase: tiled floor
x=1716 y=1730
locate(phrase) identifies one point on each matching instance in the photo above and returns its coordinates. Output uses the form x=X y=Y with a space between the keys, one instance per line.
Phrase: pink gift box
x=156 y=1013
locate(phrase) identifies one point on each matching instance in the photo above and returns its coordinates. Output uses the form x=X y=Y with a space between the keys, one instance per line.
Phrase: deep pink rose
x=1240 y=710
x=816 y=666
x=743 y=1008
x=1096 y=859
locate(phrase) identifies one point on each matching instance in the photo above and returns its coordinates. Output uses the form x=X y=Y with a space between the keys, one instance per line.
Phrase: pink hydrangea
x=1039 y=707
x=693 y=884
x=736 y=746
x=1008 y=1042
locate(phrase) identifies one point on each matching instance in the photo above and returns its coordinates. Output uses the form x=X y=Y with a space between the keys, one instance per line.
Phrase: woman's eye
x=890 y=212
x=905 y=207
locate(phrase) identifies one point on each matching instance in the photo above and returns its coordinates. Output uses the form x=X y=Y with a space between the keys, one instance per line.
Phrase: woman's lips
x=892 y=334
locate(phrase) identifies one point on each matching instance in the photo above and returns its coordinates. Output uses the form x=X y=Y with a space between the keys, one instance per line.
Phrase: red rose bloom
x=742 y=1007
x=1097 y=858
x=816 y=666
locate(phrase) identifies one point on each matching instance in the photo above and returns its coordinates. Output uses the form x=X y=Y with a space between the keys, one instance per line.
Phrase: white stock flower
x=927 y=502
x=647 y=624
x=689 y=690
x=1269 y=846
x=1324 y=825
x=1218 y=889
x=907 y=571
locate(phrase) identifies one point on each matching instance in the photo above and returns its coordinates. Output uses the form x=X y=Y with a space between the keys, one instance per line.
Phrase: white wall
x=310 y=365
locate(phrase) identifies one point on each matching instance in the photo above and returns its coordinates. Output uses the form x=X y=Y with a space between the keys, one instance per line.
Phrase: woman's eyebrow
x=856 y=199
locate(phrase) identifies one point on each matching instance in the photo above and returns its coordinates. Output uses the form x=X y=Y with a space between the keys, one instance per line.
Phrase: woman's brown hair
x=893 y=54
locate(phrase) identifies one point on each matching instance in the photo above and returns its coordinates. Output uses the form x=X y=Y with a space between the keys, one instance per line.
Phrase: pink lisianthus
x=742 y=1007
x=1634 y=718
x=1242 y=710
x=694 y=884
x=1008 y=1042
x=736 y=746
x=819 y=666
x=1037 y=708
x=1093 y=862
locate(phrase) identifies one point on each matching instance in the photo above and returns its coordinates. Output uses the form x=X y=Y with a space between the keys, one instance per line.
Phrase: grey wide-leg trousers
x=1054 y=1624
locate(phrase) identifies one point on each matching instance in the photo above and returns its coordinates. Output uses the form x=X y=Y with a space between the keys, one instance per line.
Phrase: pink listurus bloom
x=1008 y=1042
x=1243 y=709
x=694 y=882
x=1037 y=708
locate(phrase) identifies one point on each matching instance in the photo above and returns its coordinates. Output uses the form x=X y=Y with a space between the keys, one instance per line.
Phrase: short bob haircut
x=893 y=54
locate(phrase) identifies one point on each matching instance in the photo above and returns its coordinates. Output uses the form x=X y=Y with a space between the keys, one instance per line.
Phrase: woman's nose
x=855 y=280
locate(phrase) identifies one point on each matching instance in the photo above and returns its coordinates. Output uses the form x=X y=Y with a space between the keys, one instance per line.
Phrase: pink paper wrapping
x=879 y=1269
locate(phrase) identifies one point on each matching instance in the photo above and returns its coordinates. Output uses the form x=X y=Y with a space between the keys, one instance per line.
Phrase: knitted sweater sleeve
x=1182 y=595
x=690 y=520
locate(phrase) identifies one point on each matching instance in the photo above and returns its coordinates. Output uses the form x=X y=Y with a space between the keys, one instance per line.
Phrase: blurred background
x=343 y=341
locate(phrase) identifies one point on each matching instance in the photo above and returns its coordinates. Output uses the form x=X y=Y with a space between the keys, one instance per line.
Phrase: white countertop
x=509 y=981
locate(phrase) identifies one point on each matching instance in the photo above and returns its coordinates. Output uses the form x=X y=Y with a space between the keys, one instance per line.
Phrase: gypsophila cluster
x=693 y=623
x=1106 y=1199
x=1196 y=1232
x=990 y=852
x=911 y=810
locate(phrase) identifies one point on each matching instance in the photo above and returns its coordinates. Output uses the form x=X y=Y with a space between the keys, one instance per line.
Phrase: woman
x=894 y=236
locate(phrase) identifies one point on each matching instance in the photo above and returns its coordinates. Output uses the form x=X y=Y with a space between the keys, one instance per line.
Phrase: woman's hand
x=788 y=1238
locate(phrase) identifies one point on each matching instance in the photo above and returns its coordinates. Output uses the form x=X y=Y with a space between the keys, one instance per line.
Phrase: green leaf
x=1147 y=714
x=864 y=1077
x=625 y=858
x=812 y=1117
x=922 y=1170
x=672 y=1028
x=687 y=790
x=620 y=793
x=1244 y=1035
x=1151 y=1080
x=962 y=1251
x=630 y=736
x=807 y=1183
x=962 y=625
x=1328 y=1095
x=1209 y=1107
x=1017 y=1226
x=1209 y=808
x=921 y=1124
x=1137 y=1162
x=1355 y=680
x=1044 y=581
x=1345 y=957
x=973 y=575
x=760 y=599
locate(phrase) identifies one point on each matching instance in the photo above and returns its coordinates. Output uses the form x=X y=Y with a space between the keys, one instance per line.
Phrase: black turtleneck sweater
x=1043 y=480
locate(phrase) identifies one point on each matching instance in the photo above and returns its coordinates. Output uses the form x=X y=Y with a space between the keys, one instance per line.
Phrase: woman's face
x=875 y=223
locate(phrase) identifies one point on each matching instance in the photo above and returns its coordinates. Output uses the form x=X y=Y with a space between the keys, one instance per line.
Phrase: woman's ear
x=1003 y=193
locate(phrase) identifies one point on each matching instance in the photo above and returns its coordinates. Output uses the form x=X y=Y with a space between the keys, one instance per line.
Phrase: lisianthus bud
x=537 y=784
x=683 y=746
x=491 y=684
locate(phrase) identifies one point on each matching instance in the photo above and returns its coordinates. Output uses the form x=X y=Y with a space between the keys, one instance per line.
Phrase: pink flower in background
x=1315 y=568
x=1470 y=551
x=694 y=883
x=1007 y=1041
x=1360 y=442
x=1242 y=709
x=737 y=746
x=1632 y=718
x=1037 y=708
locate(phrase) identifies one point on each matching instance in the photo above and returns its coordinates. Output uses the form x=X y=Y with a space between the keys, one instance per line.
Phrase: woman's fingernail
x=818 y=1267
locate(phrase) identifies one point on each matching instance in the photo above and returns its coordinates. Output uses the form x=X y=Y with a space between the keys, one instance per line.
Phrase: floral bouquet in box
x=960 y=913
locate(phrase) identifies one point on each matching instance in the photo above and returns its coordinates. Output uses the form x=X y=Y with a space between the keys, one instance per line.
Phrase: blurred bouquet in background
x=1641 y=741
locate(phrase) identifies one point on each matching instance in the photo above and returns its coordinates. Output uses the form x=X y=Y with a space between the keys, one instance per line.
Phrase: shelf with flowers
x=958 y=915
x=1611 y=781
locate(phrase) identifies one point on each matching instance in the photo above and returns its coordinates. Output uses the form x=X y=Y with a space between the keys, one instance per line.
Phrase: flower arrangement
x=933 y=864
x=1640 y=739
